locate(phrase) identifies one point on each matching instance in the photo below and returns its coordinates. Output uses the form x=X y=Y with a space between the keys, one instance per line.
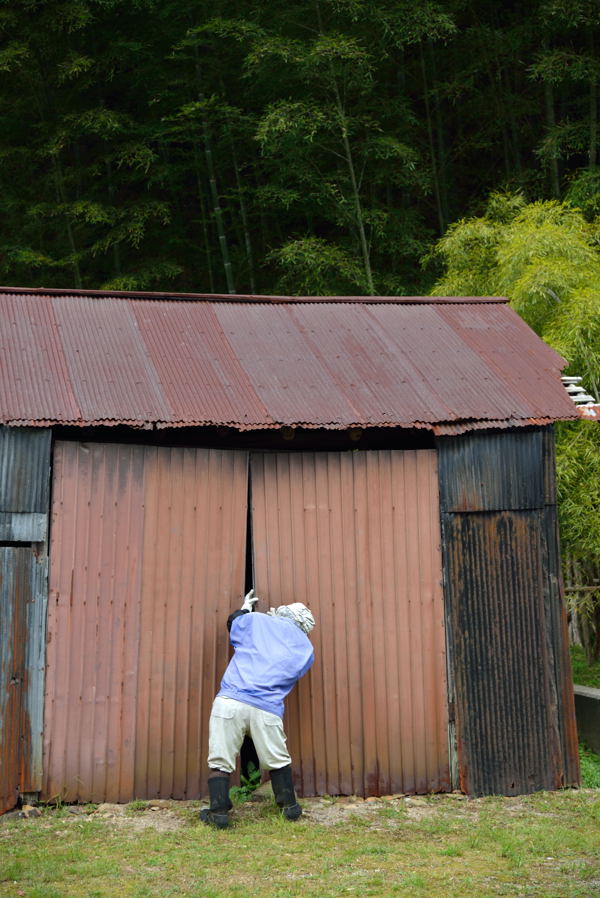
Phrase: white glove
x=250 y=601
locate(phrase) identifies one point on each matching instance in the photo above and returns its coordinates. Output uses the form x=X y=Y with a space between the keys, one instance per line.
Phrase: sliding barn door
x=356 y=536
x=147 y=558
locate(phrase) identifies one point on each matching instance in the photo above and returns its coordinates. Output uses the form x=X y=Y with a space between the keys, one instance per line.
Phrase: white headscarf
x=296 y=612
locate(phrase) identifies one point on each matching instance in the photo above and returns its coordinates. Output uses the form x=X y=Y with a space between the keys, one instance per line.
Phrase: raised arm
x=248 y=604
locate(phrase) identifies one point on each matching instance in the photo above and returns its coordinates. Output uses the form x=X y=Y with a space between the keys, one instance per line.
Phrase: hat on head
x=298 y=613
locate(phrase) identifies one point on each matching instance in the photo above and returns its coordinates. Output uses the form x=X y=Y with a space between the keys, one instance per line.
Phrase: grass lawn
x=545 y=844
x=583 y=673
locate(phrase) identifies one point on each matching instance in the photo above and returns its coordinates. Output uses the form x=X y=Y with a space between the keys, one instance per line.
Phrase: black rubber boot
x=283 y=789
x=218 y=790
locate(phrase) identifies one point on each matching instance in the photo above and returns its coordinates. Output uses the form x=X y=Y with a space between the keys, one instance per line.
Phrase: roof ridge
x=249 y=298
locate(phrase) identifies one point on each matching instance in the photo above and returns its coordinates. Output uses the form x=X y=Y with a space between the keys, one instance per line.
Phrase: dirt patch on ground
x=170 y=816
x=165 y=817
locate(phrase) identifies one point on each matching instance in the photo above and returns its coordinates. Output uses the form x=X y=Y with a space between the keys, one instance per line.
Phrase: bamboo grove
x=316 y=146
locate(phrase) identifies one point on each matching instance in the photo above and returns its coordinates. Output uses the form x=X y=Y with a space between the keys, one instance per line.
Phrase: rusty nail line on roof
x=255 y=298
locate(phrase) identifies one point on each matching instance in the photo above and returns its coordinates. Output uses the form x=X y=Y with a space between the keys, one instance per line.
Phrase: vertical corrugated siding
x=148 y=550
x=14 y=634
x=506 y=731
x=93 y=611
x=24 y=469
x=549 y=452
x=506 y=621
x=24 y=492
x=24 y=484
x=196 y=504
x=35 y=661
x=492 y=472
x=356 y=537
x=22 y=607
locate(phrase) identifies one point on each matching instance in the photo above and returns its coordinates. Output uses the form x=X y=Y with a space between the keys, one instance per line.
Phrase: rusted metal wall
x=148 y=550
x=356 y=537
x=480 y=474
x=508 y=654
x=24 y=484
x=22 y=595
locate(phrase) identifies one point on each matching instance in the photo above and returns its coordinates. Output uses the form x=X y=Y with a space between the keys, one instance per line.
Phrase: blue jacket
x=271 y=654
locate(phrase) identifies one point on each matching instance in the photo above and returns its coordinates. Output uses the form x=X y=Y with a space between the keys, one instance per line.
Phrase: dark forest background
x=306 y=147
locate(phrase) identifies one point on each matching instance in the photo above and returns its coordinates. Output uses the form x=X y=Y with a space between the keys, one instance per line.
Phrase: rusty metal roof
x=448 y=364
x=589 y=412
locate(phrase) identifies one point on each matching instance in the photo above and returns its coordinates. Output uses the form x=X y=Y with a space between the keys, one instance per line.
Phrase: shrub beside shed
x=388 y=461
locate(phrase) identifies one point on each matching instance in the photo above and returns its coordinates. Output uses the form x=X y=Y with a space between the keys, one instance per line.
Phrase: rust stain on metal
x=15 y=729
x=148 y=548
x=496 y=471
x=589 y=412
x=507 y=735
x=260 y=362
x=356 y=537
x=509 y=653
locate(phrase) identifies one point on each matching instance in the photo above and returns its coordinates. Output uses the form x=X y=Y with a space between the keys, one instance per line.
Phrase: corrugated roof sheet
x=446 y=364
x=589 y=412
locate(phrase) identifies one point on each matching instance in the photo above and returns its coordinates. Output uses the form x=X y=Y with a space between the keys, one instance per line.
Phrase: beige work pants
x=230 y=721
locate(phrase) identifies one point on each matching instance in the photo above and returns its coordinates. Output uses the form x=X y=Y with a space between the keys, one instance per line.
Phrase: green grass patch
x=589 y=763
x=136 y=805
x=583 y=673
x=542 y=845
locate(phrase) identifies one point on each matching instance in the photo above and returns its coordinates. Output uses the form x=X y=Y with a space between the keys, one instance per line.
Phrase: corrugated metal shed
x=153 y=360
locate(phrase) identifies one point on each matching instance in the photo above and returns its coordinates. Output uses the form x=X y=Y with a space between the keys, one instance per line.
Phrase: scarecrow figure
x=272 y=652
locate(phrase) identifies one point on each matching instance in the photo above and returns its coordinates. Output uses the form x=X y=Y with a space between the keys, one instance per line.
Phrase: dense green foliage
x=306 y=147
x=590 y=768
x=583 y=673
x=544 y=257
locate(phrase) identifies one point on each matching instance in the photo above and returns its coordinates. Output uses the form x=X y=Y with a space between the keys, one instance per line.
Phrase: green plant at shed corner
x=544 y=257
x=589 y=763
x=583 y=673
x=248 y=785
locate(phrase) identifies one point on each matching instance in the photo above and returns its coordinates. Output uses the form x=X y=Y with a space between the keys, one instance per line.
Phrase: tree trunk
x=593 y=153
x=551 y=123
x=244 y=215
x=360 y=224
x=434 y=167
x=61 y=194
x=441 y=143
x=116 y=249
x=514 y=126
x=366 y=254
x=204 y=226
x=212 y=179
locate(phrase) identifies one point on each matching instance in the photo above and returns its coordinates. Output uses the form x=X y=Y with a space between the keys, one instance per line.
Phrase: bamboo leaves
x=240 y=149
